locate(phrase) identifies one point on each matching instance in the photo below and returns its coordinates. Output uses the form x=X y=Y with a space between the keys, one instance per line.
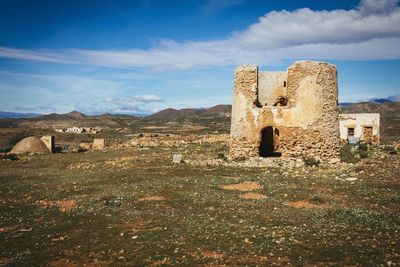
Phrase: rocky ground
x=131 y=205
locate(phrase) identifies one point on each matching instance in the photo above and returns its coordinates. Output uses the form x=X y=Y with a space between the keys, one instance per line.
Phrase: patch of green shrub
x=318 y=199
x=353 y=154
x=362 y=147
x=311 y=161
x=362 y=151
x=363 y=154
x=390 y=150
x=347 y=155
x=8 y=156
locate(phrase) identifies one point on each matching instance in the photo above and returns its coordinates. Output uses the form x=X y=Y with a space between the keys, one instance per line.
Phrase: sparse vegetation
x=353 y=153
x=311 y=161
x=4 y=150
x=318 y=199
x=390 y=150
x=346 y=154
x=134 y=207
x=8 y=156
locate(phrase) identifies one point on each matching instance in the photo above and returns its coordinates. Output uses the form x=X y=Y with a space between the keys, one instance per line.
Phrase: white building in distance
x=360 y=127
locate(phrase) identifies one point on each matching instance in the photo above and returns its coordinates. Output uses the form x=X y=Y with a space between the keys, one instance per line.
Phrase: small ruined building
x=36 y=145
x=75 y=130
x=360 y=127
x=80 y=130
x=92 y=130
x=99 y=144
x=292 y=113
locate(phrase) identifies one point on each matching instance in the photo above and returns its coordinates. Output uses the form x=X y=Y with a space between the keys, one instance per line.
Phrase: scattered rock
x=351 y=179
x=177 y=158
x=85 y=146
x=334 y=161
x=213 y=255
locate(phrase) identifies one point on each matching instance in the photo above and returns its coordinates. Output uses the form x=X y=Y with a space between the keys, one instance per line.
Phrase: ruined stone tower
x=292 y=114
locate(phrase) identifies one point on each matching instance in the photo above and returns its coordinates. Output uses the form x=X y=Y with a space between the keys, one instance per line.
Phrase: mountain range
x=382 y=106
x=15 y=115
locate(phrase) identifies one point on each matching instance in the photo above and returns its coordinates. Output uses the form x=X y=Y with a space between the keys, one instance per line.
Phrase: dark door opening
x=269 y=142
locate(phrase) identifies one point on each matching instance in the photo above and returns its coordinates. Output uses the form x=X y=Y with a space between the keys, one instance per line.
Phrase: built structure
x=360 y=127
x=33 y=145
x=293 y=113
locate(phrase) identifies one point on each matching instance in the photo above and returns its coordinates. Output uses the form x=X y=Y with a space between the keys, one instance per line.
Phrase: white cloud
x=148 y=98
x=370 y=31
x=121 y=105
x=25 y=54
x=368 y=7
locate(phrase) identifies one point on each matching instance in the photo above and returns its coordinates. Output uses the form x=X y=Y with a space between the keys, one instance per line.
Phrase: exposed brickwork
x=308 y=124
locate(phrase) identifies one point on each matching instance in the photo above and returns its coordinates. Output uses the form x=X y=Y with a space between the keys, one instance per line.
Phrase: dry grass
x=245 y=186
x=252 y=195
x=63 y=205
x=301 y=204
x=152 y=198
x=149 y=211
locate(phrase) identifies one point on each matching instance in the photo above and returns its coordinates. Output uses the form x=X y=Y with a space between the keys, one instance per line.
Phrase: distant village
x=80 y=130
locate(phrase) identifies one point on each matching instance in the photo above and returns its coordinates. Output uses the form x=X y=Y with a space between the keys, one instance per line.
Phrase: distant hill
x=380 y=100
x=14 y=115
x=75 y=114
x=373 y=100
x=172 y=114
x=372 y=107
x=218 y=110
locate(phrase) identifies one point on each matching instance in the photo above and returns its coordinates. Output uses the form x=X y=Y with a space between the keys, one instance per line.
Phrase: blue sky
x=141 y=56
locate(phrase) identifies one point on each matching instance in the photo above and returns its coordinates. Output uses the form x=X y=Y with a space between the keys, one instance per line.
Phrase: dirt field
x=134 y=206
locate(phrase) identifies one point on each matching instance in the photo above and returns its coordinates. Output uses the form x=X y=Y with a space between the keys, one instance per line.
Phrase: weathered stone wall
x=99 y=143
x=268 y=80
x=49 y=141
x=243 y=139
x=308 y=125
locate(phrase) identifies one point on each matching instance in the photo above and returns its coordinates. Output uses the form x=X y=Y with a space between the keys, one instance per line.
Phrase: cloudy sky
x=137 y=57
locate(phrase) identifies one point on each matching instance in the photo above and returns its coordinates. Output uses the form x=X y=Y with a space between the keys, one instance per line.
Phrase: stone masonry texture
x=306 y=126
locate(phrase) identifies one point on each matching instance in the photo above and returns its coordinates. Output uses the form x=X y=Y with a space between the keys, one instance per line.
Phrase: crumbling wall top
x=246 y=67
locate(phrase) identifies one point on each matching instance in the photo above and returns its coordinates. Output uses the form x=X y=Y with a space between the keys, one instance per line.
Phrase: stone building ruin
x=34 y=145
x=99 y=144
x=360 y=127
x=49 y=141
x=290 y=114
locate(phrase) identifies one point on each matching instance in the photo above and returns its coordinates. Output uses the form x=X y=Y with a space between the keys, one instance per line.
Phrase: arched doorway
x=269 y=142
